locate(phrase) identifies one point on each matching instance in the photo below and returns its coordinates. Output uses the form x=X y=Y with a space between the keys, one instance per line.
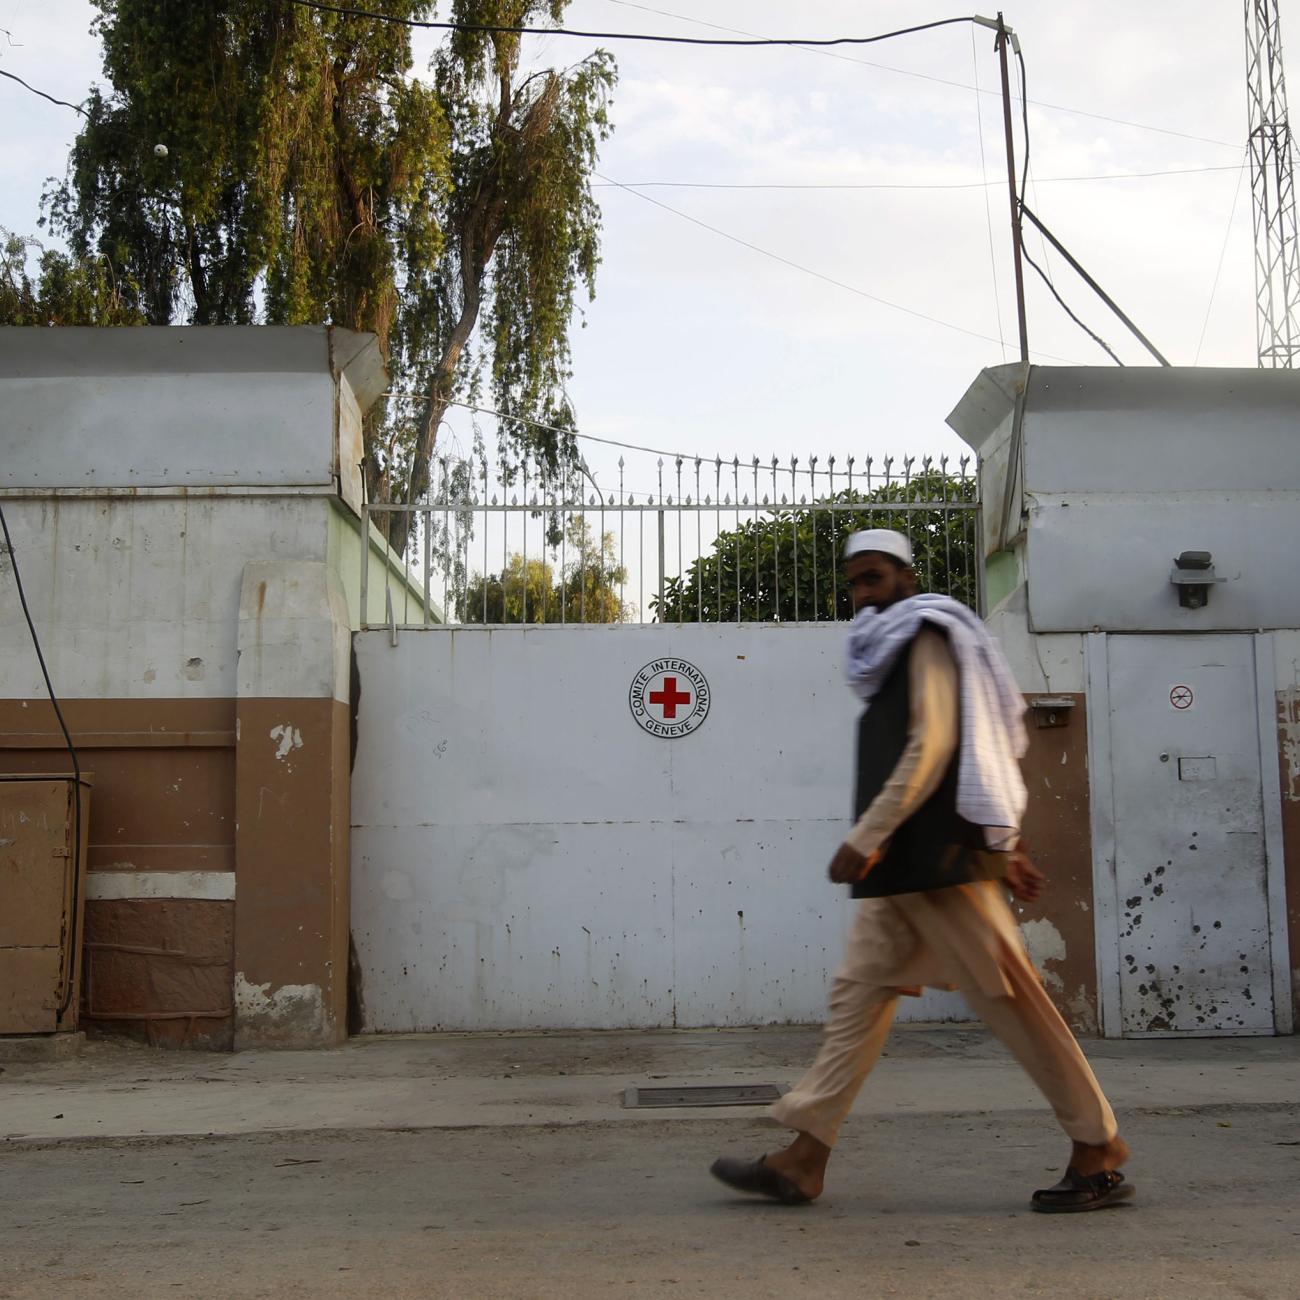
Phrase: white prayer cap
x=884 y=540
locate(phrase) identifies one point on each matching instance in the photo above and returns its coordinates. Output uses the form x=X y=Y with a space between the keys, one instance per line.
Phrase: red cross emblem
x=669 y=698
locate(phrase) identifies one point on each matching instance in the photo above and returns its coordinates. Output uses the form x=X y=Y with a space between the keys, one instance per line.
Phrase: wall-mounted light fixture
x=1051 y=710
x=1193 y=576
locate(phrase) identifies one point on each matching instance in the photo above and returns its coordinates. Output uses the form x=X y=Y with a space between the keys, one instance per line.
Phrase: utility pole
x=1005 y=37
x=1277 y=249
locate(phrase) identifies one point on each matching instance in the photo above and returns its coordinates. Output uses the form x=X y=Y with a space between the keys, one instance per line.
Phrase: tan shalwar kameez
x=963 y=937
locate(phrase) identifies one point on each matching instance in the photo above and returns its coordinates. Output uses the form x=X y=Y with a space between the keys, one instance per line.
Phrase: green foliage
x=586 y=589
x=522 y=240
x=298 y=161
x=310 y=178
x=786 y=565
x=63 y=290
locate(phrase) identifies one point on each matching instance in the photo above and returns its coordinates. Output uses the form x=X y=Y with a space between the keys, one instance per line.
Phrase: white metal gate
x=525 y=855
x=1185 y=945
x=524 y=852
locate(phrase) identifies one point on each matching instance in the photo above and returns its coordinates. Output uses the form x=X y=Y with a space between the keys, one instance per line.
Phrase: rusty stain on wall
x=1289 y=742
x=1288 y=720
x=1058 y=928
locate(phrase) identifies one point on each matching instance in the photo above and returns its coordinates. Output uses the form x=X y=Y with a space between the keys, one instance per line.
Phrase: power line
x=1047 y=280
x=555 y=428
x=1026 y=180
x=1218 y=270
x=573 y=433
x=1042 y=233
x=625 y=36
x=807 y=270
x=63 y=103
x=1024 y=117
x=922 y=185
x=591 y=437
x=944 y=81
x=1078 y=268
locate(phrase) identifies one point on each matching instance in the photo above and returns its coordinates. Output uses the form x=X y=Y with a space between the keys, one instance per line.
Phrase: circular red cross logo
x=1181 y=697
x=669 y=698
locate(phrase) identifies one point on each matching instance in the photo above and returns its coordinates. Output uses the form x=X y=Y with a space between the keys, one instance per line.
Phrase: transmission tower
x=1277 y=248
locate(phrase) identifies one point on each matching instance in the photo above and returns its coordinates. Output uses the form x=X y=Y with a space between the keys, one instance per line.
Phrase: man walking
x=939 y=801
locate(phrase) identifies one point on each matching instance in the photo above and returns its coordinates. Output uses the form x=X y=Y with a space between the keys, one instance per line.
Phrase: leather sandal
x=758 y=1177
x=1077 y=1192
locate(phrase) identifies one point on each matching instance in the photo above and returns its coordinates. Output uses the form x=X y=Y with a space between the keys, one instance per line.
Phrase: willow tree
x=522 y=237
x=306 y=176
x=61 y=290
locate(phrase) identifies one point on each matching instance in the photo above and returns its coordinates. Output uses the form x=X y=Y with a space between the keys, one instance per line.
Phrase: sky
x=700 y=344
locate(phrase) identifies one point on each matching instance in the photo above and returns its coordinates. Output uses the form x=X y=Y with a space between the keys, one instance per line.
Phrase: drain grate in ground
x=731 y=1094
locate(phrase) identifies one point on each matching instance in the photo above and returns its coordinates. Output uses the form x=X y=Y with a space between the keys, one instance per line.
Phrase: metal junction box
x=41 y=902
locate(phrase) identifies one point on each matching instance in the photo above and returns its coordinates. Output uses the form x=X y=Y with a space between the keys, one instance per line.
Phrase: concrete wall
x=176 y=499
x=189 y=407
x=1122 y=470
x=163 y=662
x=1092 y=480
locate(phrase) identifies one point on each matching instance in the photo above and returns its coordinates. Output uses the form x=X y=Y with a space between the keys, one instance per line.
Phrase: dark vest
x=935 y=847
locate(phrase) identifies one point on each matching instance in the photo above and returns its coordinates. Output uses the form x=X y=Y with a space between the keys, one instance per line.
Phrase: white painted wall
x=1041 y=664
x=525 y=856
x=1123 y=469
x=142 y=470
x=137 y=597
x=228 y=406
x=87 y=408
x=1120 y=471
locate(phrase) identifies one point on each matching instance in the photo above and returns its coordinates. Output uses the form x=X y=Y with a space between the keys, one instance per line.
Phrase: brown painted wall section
x=1288 y=720
x=164 y=799
x=292 y=804
x=1059 y=834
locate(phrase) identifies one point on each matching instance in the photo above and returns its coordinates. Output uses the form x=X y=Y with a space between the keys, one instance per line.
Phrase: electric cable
x=941 y=81
x=76 y=768
x=920 y=185
x=63 y=103
x=1028 y=180
x=1045 y=270
x=1024 y=183
x=590 y=437
x=1218 y=270
x=1047 y=280
x=1024 y=117
x=1091 y=282
x=807 y=270
x=553 y=428
x=494 y=28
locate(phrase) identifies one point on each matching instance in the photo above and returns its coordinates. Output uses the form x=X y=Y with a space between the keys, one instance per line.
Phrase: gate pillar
x=292 y=792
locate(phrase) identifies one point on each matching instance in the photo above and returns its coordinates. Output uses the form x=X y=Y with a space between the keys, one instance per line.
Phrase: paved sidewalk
x=453 y=1081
